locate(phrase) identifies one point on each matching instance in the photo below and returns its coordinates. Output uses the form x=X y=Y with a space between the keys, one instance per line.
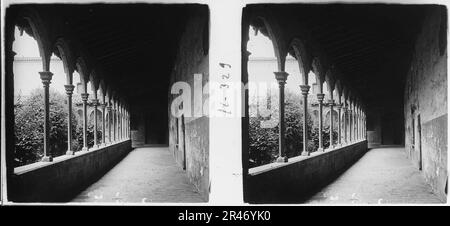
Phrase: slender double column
x=117 y=122
x=95 y=104
x=359 y=124
x=350 y=122
x=114 y=122
x=69 y=91
x=331 y=104
x=125 y=124
x=109 y=109
x=46 y=77
x=345 y=108
x=103 y=122
x=119 y=112
x=281 y=78
x=84 y=98
x=339 y=108
x=320 y=97
x=305 y=90
x=354 y=123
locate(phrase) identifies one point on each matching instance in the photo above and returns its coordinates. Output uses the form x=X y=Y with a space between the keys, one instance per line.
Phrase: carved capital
x=281 y=77
x=305 y=89
x=46 y=77
x=84 y=97
x=69 y=89
x=95 y=102
x=331 y=102
x=320 y=97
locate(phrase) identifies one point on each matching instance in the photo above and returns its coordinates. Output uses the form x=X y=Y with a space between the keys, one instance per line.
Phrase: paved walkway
x=145 y=175
x=382 y=175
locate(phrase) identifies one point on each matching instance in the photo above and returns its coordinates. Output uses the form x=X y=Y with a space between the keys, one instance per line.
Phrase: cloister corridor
x=383 y=175
x=146 y=174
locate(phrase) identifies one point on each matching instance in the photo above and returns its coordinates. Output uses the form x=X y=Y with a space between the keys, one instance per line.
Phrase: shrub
x=29 y=126
x=263 y=142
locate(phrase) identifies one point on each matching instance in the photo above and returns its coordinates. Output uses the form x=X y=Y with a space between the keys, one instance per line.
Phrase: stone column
x=359 y=124
x=365 y=127
x=281 y=77
x=46 y=77
x=95 y=103
x=339 y=107
x=350 y=121
x=345 y=123
x=320 y=97
x=84 y=98
x=126 y=124
x=121 y=122
x=354 y=123
x=331 y=103
x=118 y=122
x=305 y=90
x=69 y=91
x=103 y=123
x=362 y=126
x=109 y=108
x=115 y=122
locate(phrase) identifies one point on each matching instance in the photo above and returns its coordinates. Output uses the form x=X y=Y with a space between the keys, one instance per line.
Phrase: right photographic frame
x=345 y=104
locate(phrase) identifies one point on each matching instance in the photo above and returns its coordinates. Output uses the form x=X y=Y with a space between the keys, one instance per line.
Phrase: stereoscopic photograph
x=224 y=103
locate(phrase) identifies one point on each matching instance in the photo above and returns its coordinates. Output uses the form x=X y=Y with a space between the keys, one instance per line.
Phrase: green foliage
x=29 y=126
x=263 y=142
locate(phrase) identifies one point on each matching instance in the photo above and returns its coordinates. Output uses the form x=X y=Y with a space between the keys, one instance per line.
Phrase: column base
x=47 y=159
x=320 y=149
x=305 y=153
x=282 y=159
x=85 y=149
x=70 y=153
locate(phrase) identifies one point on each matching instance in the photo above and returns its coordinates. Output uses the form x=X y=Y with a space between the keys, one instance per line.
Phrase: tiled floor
x=145 y=175
x=382 y=175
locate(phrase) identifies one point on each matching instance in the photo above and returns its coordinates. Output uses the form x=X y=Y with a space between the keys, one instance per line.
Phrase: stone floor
x=381 y=176
x=147 y=174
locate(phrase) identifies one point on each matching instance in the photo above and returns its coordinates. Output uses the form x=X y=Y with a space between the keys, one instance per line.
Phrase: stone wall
x=295 y=181
x=189 y=135
x=66 y=176
x=425 y=108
